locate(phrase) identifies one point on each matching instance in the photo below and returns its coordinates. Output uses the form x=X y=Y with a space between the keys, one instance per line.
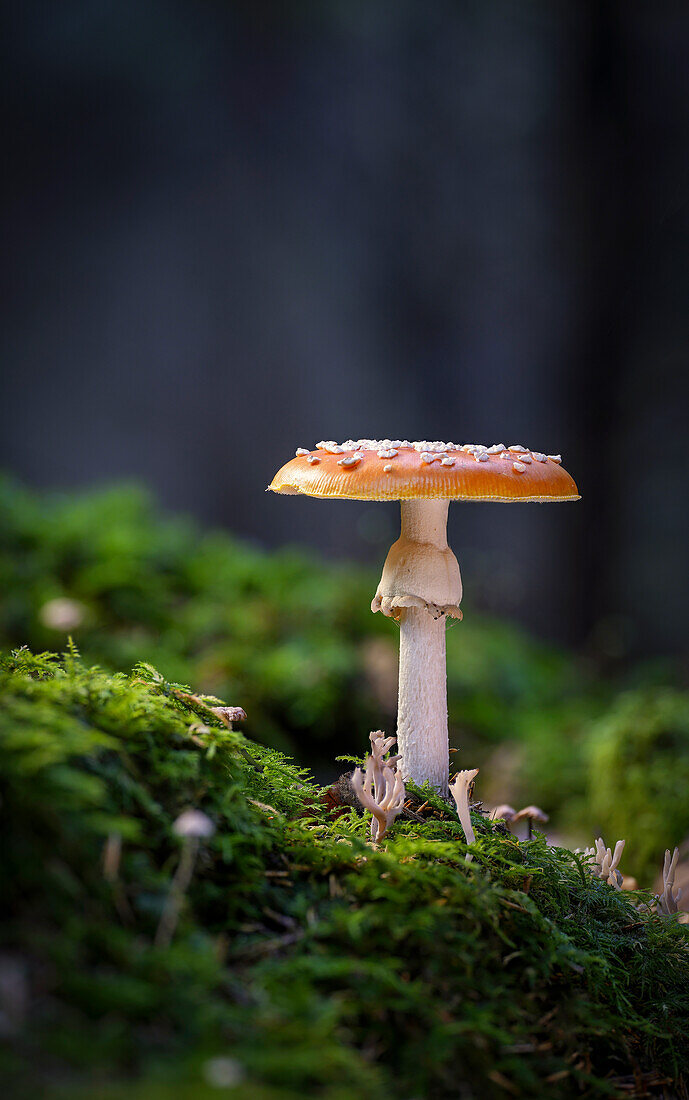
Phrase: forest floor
x=285 y=955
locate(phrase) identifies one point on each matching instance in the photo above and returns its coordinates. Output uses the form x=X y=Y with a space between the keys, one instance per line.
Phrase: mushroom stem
x=419 y=586
x=422 y=734
x=425 y=521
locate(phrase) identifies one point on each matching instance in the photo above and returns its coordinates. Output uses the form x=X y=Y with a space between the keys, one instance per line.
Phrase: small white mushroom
x=193 y=823
x=380 y=745
x=459 y=789
x=504 y=812
x=605 y=862
x=388 y=803
x=63 y=614
x=668 y=902
x=531 y=814
x=228 y=715
x=223 y=1072
x=192 y=826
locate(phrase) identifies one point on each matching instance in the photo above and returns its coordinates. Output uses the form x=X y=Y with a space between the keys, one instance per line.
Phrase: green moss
x=288 y=634
x=321 y=965
x=639 y=772
x=292 y=639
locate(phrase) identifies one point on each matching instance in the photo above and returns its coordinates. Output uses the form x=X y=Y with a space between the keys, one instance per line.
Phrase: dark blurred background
x=232 y=229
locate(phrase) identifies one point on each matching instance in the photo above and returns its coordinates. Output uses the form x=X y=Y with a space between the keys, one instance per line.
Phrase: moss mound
x=292 y=639
x=639 y=770
x=304 y=961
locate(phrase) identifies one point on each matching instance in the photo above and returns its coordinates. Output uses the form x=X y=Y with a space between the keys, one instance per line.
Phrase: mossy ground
x=317 y=964
x=292 y=639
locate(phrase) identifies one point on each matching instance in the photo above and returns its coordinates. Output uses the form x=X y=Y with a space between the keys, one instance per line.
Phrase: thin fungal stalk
x=459 y=789
x=419 y=586
x=180 y=884
x=192 y=826
x=668 y=902
x=380 y=745
x=387 y=803
x=606 y=862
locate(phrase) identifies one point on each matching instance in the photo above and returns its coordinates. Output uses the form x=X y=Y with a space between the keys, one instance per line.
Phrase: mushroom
x=385 y=799
x=380 y=744
x=228 y=715
x=191 y=826
x=459 y=789
x=504 y=813
x=63 y=614
x=605 y=862
x=421 y=584
x=531 y=813
x=668 y=902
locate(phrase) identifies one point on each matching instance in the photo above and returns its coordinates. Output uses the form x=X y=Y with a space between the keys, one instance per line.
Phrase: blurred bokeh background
x=234 y=228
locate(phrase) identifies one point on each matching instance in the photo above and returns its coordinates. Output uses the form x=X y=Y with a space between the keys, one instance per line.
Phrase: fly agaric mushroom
x=421 y=584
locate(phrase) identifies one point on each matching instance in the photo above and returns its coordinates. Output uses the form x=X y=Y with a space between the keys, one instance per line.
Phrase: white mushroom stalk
x=459 y=789
x=192 y=826
x=420 y=585
x=668 y=902
x=385 y=800
x=380 y=744
x=606 y=862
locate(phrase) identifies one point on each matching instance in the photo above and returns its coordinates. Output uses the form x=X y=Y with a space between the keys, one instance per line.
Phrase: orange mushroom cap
x=369 y=469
